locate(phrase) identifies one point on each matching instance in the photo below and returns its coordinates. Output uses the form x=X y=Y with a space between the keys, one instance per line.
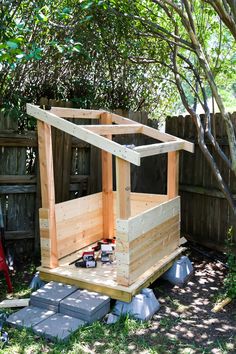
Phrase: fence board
x=206 y=216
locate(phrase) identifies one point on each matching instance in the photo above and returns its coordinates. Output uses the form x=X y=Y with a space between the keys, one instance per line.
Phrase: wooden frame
x=146 y=227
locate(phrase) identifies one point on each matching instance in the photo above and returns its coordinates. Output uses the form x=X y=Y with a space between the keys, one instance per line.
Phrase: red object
x=4 y=268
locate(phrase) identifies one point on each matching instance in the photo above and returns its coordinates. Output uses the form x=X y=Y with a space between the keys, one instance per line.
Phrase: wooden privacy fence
x=74 y=161
x=206 y=215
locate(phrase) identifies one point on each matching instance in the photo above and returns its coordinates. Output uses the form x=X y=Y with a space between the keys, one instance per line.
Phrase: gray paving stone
x=44 y=305
x=86 y=305
x=50 y=295
x=28 y=317
x=58 y=327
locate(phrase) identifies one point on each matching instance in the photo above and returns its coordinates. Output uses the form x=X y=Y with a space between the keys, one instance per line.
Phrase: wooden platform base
x=103 y=278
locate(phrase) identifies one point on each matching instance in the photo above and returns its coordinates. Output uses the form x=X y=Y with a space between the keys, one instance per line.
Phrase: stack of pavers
x=57 y=310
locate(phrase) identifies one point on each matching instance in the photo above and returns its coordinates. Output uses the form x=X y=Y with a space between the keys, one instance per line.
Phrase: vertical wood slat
x=196 y=173
x=47 y=223
x=107 y=185
x=173 y=174
x=123 y=187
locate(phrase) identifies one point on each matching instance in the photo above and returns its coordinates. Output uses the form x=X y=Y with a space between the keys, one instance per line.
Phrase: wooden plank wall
x=79 y=223
x=205 y=214
x=145 y=239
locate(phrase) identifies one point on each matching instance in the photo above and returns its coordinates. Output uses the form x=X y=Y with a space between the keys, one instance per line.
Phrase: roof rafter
x=96 y=134
x=84 y=134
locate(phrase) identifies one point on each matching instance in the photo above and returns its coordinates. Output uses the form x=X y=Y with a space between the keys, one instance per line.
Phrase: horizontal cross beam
x=161 y=148
x=115 y=129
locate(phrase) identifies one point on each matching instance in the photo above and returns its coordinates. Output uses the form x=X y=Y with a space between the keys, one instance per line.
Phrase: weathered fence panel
x=206 y=215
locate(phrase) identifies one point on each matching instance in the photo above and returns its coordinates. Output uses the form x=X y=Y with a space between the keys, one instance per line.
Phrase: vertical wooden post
x=123 y=211
x=48 y=239
x=107 y=185
x=173 y=174
x=123 y=187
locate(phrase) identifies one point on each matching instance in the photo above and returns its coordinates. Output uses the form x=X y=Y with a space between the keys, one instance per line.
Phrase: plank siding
x=143 y=240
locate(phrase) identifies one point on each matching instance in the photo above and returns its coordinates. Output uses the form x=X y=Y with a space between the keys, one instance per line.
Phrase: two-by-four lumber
x=173 y=174
x=84 y=134
x=153 y=133
x=48 y=237
x=76 y=113
x=123 y=187
x=155 y=149
x=115 y=129
x=107 y=185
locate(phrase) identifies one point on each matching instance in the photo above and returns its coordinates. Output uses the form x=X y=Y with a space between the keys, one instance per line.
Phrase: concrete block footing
x=142 y=307
x=180 y=272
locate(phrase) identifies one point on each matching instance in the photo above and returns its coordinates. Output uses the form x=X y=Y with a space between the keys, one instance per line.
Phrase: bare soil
x=186 y=313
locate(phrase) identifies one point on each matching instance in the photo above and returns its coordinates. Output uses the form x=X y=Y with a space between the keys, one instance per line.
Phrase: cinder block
x=28 y=317
x=142 y=307
x=50 y=295
x=58 y=327
x=86 y=305
x=180 y=272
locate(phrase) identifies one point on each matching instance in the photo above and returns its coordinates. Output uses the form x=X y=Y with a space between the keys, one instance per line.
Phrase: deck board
x=103 y=278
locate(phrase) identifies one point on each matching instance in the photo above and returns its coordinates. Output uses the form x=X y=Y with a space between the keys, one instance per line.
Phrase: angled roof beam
x=115 y=129
x=84 y=134
x=161 y=148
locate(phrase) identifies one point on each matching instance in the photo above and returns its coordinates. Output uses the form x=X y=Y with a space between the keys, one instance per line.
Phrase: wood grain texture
x=123 y=186
x=145 y=239
x=107 y=185
x=84 y=134
x=48 y=249
x=79 y=223
x=103 y=278
x=173 y=174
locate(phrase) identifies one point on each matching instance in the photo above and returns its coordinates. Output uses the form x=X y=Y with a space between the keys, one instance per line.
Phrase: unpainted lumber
x=149 y=219
x=13 y=303
x=155 y=149
x=173 y=174
x=123 y=186
x=221 y=305
x=84 y=134
x=76 y=113
x=107 y=185
x=79 y=223
x=47 y=194
x=115 y=129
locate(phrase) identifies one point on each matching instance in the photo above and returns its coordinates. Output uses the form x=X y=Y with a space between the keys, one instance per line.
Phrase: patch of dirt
x=186 y=315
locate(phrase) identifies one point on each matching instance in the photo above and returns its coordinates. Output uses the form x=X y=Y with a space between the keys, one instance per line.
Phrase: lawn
x=184 y=324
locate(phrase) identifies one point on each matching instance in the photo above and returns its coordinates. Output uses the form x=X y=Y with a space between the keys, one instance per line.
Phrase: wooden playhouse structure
x=146 y=226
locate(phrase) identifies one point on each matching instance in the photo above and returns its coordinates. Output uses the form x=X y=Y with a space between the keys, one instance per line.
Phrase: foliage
x=72 y=50
x=230 y=281
x=198 y=52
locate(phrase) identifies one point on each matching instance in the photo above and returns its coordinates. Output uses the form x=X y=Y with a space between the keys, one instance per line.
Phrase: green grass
x=126 y=336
